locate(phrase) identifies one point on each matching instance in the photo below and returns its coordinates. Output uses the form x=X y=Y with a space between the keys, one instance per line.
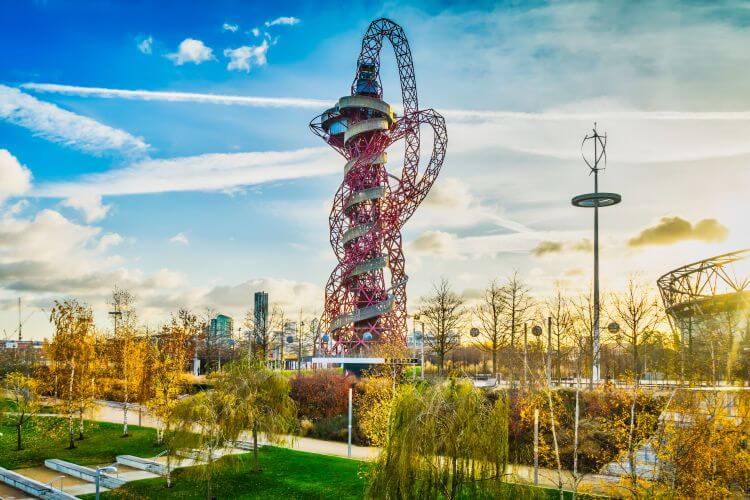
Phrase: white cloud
x=245 y=57
x=150 y=95
x=180 y=239
x=191 y=51
x=64 y=127
x=108 y=241
x=230 y=27
x=15 y=179
x=637 y=135
x=450 y=203
x=283 y=21
x=209 y=172
x=145 y=45
x=255 y=32
x=90 y=205
x=289 y=294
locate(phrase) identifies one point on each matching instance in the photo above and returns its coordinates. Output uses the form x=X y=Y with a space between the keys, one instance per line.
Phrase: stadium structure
x=708 y=302
x=365 y=297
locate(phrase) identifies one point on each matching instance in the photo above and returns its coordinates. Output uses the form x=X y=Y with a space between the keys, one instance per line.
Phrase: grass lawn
x=47 y=437
x=286 y=474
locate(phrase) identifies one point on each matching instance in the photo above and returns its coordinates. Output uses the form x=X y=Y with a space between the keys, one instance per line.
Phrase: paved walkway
x=106 y=411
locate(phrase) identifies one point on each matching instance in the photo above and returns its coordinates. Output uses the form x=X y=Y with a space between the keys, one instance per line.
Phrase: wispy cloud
x=246 y=57
x=145 y=45
x=283 y=21
x=230 y=27
x=179 y=239
x=191 y=51
x=152 y=95
x=466 y=114
x=209 y=172
x=641 y=136
x=58 y=125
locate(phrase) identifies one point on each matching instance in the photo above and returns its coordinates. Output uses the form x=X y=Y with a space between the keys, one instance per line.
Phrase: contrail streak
x=295 y=102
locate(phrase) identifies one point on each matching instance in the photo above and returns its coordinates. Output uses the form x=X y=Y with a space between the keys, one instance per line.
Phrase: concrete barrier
x=142 y=464
x=81 y=472
x=32 y=486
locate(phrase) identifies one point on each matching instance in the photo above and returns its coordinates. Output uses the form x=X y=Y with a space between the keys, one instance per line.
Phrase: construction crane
x=22 y=320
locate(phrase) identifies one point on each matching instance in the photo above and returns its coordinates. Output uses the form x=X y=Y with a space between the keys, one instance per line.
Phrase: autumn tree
x=203 y=423
x=23 y=399
x=445 y=314
x=558 y=309
x=69 y=352
x=490 y=312
x=638 y=314
x=129 y=350
x=446 y=441
x=170 y=354
x=582 y=334
x=703 y=445
x=259 y=398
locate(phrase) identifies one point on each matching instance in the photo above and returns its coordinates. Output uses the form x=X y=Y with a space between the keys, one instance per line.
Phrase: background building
x=708 y=303
x=220 y=329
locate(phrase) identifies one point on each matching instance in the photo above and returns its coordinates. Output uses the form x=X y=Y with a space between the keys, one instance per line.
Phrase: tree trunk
x=80 y=424
x=209 y=467
x=71 y=433
x=72 y=442
x=125 y=411
x=19 y=446
x=169 y=469
x=125 y=421
x=256 y=465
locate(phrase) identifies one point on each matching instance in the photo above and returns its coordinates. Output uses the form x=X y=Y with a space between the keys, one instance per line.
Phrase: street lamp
x=299 y=347
x=99 y=470
x=421 y=343
x=595 y=200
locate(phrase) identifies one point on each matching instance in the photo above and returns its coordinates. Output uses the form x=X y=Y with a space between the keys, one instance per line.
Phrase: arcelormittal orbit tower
x=365 y=301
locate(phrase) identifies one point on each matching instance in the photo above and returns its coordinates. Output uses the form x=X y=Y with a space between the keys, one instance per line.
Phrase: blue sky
x=133 y=151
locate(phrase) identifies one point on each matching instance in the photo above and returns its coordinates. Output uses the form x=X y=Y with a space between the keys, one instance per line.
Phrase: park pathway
x=106 y=411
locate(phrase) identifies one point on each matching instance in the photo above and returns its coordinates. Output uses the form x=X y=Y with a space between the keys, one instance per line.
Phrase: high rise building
x=260 y=313
x=221 y=329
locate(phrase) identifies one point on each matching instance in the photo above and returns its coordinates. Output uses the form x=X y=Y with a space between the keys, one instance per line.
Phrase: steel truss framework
x=365 y=297
x=696 y=287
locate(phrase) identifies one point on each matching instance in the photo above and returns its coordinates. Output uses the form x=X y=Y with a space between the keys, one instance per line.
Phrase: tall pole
x=349 y=438
x=549 y=350
x=525 y=345
x=20 y=323
x=595 y=346
x=596 y=200
x=422 y=346
x=414 y=336
x=536 y=446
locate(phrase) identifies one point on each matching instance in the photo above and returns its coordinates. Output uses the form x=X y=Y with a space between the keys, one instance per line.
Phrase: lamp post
x=417 y=317
x=299 y=347
x=595 y=200
x=99 y=470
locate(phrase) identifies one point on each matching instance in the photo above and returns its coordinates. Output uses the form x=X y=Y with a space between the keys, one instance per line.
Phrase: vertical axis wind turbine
x=595 y=200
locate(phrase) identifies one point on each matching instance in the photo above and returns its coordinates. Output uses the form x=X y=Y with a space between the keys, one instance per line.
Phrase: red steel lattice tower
x=365 y=297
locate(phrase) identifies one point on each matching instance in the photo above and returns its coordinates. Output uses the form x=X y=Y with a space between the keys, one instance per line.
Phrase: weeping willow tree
x=446 y=441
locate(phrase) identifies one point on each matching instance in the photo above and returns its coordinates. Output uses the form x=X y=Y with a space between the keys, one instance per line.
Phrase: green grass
x=47 y=437
x=286 y=474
